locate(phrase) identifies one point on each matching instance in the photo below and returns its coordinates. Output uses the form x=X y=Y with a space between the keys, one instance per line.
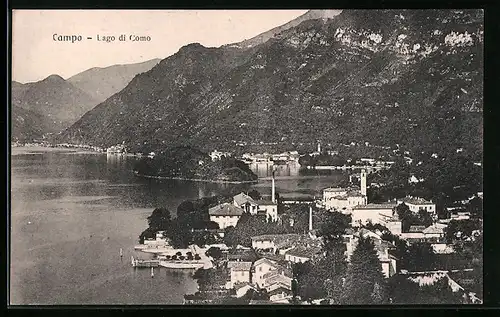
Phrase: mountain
x=57 y=102
x=408 y=77
x=264 y=37
x=26 y=125
x=101 y=83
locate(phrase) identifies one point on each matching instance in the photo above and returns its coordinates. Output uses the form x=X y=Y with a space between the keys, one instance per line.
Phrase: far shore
x=197 y=179
x=34 y=149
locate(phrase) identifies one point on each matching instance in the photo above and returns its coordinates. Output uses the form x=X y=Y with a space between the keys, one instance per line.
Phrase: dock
x=145 y=263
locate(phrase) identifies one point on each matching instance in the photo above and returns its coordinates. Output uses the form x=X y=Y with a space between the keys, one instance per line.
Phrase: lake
x=71 y=212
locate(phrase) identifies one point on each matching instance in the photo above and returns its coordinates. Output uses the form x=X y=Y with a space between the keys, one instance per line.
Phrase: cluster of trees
x=322 y=160
x=445 y=180
x=403 y=291
x=409 y=218
x=249 y=226
x=187 y=162
x=191 y=226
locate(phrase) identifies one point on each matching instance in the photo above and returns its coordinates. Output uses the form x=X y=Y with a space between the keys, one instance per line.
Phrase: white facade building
x=225 y=215
x=415 y=204
x=374 y=213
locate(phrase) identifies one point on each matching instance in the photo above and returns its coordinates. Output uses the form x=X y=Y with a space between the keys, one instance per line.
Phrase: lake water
x=72 y=212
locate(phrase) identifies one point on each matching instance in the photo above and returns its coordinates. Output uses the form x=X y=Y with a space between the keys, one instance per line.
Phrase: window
x=260 y=268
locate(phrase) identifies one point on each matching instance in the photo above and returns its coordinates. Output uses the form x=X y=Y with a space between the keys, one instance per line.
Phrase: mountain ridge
x=378 y=76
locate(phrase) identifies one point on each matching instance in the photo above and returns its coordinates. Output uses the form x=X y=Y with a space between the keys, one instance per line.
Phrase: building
x=393 y=224
x=268 y=208
x=302 y=254
x=435 y=231
x=242 y=288
x=415 y=204
x=216 y=155
x=159 y=241
x=246 y=203
x=279 y=242
x=260 y=268
x=374 y=213
x=225 y=215
x=275 y=278
x=281 y=294
x=344 y=199
x=240 y=272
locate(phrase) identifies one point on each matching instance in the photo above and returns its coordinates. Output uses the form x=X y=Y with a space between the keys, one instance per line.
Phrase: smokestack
x=310 y=218
x=363 y=182
x=273 y=190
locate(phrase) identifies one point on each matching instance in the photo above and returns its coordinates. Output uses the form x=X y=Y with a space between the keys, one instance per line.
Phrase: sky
x=36 y=55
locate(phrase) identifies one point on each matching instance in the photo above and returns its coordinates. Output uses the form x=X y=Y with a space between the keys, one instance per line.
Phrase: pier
x=145 y=263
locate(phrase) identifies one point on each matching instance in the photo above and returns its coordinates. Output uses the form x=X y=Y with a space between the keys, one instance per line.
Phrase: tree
x=475 y=207
x=364 y=282
x=214 y=252
x=159 y=219
x=420 y=256
x=255 y=194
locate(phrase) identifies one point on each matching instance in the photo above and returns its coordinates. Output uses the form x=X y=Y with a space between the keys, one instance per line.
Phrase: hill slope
x=57 y=102
x=412 y=77
x=101 y=83
x=264 y=37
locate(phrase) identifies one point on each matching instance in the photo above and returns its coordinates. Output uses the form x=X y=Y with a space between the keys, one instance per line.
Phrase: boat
x=152 y=272
x=121 y=252
x=182 y=264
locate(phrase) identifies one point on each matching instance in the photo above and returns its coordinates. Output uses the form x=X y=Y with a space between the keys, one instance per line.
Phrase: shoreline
x=196 y=179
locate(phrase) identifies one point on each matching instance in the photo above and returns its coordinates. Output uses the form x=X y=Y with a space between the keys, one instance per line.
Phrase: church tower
x=363 y=182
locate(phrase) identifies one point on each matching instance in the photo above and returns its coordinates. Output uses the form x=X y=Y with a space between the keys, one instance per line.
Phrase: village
x=265 y=272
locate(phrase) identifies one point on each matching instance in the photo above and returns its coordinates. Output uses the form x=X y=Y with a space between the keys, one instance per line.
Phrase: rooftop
x=225 y=209
x=415 y=201
x=334 y=189
x=435 y=228
x=239 y=266
x=417 y=228
x=304 y=252
x=266 y=203
x=242 y=199
x=375 y=206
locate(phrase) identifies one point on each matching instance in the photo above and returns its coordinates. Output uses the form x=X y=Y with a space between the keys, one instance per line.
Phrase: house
x=460 y=215
x=261 y=268
x=269 y=209
x=276 y=278
x=277 y=242
x=435 y=231
x=242 y=288
x=374 y=213
x=347 y=201
x=239 y=273
x=338 y=198
x=301 y=254
x=280 y=294
x=415 y=204
x=241 y=255
x=160 y=240
x=246 y=203
x=216 y=155
x=225 y=215
x=393 y=224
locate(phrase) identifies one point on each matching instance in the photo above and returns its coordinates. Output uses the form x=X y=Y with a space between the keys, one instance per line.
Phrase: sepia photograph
x=246 y=157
